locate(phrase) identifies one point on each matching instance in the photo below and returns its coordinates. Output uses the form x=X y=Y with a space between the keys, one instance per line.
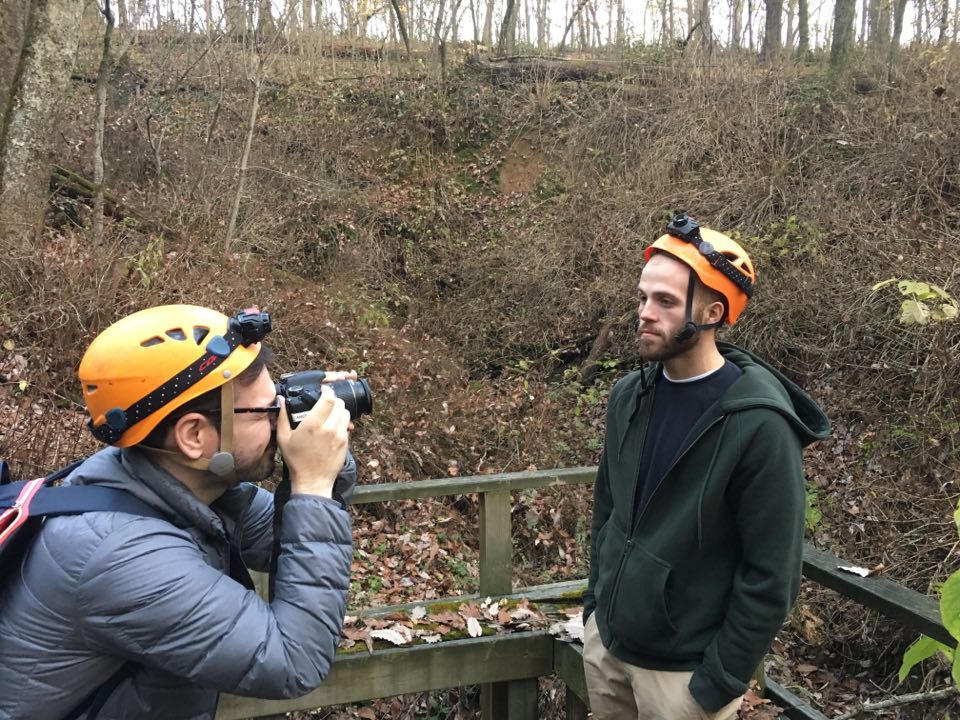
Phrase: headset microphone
x=689 y=330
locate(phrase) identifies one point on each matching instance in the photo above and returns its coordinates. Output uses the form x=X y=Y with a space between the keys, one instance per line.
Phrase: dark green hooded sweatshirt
x=704 y=577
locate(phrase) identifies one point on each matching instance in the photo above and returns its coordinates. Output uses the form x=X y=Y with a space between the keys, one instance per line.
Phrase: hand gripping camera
x=301 y=391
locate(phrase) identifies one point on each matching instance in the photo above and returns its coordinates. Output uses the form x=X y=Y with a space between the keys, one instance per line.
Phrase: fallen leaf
x=854 y=569
x=473 y=627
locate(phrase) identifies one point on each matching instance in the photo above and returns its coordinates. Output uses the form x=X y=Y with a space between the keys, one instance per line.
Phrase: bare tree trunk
x=541 y=24
x=750 y=24
x=772 y=43
x=236 y=19
x=122 y=13
x=620 y=23
x=898 y=12
x=789 y=42
x=266 y=27
x=592 y=7
x=664 y=37
x=736 y=22
x=398 y=16
x=844 y=15
x=438 y=23
x=609 y=23
x=526 y=21
x=208 y=16
x=103 y=78
x=43 y=45
x=488 y=25
x=244 y=158
x=573 y=17
x=944 y=22
x=706 y=28
x=803 y=26
x=476 y=24
x=506 y=41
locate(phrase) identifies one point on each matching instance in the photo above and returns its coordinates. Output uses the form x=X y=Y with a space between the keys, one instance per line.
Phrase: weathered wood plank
x=908 y=607
x=442 y=487
x=568 y=666
x=794 y=708
x=496 y=544
x=399 y=671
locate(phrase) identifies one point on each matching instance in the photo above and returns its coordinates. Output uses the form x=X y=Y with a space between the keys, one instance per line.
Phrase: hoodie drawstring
x=703 y=487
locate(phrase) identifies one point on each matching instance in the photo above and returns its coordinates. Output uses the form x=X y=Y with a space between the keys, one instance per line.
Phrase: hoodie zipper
x=636 y=523
x=628 y=546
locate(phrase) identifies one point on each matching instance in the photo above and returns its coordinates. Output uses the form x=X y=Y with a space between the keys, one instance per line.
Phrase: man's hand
x=314 y=452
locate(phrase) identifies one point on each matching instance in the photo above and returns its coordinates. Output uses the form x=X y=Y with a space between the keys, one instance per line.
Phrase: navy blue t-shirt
x=676 y=408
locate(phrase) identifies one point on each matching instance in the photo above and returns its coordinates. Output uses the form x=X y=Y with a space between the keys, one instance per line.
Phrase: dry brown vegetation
x=463 y=243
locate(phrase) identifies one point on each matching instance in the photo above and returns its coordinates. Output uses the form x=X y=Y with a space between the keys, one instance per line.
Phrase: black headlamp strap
x=217 y=350
x=690 y=328
x=687 y=229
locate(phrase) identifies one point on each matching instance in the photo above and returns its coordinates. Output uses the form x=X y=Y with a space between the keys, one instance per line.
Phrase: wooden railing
x=508 y=666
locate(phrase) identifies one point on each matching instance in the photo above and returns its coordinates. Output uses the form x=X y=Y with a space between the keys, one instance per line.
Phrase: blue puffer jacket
x=103 y=588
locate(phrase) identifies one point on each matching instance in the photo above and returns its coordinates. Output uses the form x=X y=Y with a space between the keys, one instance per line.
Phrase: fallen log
x=76 y=187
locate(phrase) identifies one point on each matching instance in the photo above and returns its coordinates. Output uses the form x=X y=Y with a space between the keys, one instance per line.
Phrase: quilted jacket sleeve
x=257 y=522
x=189 y=619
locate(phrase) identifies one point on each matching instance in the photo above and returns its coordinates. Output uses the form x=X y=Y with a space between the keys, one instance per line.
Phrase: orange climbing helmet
x=719 y=262
x=143 y=367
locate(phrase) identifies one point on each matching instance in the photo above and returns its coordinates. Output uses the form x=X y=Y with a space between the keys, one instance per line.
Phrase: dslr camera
x=301 y=391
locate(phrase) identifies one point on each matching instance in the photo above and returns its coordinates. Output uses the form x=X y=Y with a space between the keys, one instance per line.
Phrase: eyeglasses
x=687 y=229
x=272 y=410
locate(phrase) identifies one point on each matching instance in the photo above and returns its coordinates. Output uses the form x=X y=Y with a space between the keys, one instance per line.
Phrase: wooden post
x=522 y=699
x=496 y=578
x=576 y=709
x=496 y=545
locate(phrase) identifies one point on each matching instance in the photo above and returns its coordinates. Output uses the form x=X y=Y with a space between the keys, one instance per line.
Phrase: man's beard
x=261 y=468
x=669 y=347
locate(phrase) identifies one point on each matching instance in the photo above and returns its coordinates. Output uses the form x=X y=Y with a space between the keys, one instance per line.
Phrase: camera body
x=301 y=391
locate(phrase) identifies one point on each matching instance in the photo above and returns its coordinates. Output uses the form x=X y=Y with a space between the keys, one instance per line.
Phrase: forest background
x=453 y=199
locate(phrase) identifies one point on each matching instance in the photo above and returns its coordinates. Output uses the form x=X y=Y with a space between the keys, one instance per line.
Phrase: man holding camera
x=699 y=502
x=119 y=615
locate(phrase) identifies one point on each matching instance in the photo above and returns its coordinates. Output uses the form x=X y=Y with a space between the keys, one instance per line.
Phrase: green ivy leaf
x=912 y=287
x=922 y=649
x=946 y=312
x=950 y=604
x=883 y=284
x=913 y=312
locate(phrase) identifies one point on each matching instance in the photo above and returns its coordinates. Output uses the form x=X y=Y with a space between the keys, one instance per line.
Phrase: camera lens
x=356 y=396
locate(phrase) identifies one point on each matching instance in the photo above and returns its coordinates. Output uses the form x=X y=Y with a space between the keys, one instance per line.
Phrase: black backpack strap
x=76 y=499
x=94 y=702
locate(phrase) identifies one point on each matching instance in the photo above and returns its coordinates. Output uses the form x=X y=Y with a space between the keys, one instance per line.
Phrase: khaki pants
x=619 y=691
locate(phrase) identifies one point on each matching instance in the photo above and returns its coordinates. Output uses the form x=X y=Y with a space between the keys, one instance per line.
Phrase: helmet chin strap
x=690 y=328
x=221 y=463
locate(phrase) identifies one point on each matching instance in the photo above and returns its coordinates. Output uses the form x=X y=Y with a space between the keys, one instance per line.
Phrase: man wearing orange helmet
x=163 y=605
x=699 y=502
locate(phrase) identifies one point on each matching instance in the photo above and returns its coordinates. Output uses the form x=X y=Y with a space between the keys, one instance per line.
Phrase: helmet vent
x=176 y=334
x=91 y=389
x=199 y=333
x=155 y=340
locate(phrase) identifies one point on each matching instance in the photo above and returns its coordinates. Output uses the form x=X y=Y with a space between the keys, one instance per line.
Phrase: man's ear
x=193 y=434
x=714 y=312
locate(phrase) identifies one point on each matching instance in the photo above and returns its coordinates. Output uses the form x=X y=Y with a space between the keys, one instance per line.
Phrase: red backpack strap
x=18 y=513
